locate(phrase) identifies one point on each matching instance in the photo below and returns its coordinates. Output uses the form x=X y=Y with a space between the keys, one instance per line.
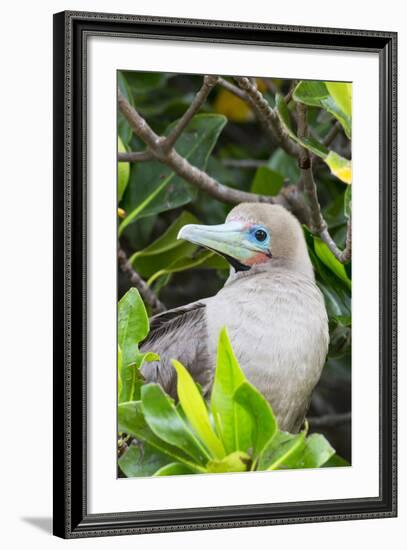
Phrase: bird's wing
x=181 y=334
x=172 y=320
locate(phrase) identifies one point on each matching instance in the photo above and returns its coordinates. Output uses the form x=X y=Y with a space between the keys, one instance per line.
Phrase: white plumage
x=271 y=306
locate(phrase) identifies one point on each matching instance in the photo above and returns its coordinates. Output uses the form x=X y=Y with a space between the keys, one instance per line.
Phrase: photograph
x=234 y=274
x=225 y=274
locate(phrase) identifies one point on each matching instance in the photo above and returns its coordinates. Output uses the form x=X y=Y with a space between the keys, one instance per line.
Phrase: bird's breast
x=279 y=331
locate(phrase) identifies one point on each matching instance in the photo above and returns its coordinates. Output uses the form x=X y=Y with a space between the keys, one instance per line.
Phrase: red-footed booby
x=273 y=310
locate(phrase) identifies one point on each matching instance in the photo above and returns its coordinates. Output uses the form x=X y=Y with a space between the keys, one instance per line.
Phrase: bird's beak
x=228 y=239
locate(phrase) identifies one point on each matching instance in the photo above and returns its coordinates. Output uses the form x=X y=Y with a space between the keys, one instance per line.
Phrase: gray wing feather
x=181 y=334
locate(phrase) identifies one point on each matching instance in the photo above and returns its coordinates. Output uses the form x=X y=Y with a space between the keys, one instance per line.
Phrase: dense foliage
x=227 y=141
x=236 y=432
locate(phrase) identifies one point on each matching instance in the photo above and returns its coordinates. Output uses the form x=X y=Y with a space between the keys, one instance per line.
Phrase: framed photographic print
x=225 y=274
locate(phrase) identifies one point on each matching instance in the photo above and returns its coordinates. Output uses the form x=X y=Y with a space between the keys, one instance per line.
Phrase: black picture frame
x=71 y=518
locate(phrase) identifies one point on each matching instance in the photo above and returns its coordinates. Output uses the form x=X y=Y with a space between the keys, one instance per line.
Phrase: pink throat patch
x=258 y=258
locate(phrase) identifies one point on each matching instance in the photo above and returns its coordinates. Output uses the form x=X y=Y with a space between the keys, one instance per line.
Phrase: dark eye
x=260 y=235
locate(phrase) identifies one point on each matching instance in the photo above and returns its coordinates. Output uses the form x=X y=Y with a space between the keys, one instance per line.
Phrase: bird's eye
x=260 y=235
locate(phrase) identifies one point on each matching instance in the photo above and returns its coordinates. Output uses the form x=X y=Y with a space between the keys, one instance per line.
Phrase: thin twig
x=182 y=167
x=208 y=83
x=289 y=95
x=135 y=156
x=304 y=158
x=328 y=139
x=244 y=163
x=267 y=115
x=233 y=89
x=342 y=255
x=288 y=197
x=146 y=293
x=307 y=183
x=331 y=135
x=271 y=87
x=329 y=420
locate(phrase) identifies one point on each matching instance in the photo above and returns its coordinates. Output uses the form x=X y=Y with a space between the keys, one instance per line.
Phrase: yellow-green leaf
x=342 y=94
x=195 y=410
x=339 y=166
x=132 y=328
x=317 y=94
x=175 y=469
x=233 y=422
x=234 y=462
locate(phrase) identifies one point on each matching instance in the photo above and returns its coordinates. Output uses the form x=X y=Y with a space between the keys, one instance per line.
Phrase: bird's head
x=253 y=234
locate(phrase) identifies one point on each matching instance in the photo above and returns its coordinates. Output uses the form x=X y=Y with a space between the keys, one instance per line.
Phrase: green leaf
x=195 y=410
x=334 y=303
x=316 y=452
x=123 y=171
x=288 y=451
x=154 y=187
x=234 y=462
x=168 y=240
x=264 y=424
x=285 y=117
x=311 y=92
x=344 y=320
x=174 y=469
x=339 y=166
x=267 y=182
x=282 y=452
x=133 y=327
x=232 y=421
x=170 y=108
x=336 y=461
x=165 y=250
x=141 y=460
x=131 y=420
x=284 y=164
x=161 y=282
x=327 y=257
x=133 y=323
x=333 y=212
x=336 y=292
x=141 y=83
x=317 y=94
x=166 y=422
x=119 y=372
x=204 y=260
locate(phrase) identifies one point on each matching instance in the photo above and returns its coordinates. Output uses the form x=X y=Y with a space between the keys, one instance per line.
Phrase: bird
x=270 y=304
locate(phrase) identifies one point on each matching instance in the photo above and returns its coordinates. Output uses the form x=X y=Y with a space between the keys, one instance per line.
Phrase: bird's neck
x=303 y=267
